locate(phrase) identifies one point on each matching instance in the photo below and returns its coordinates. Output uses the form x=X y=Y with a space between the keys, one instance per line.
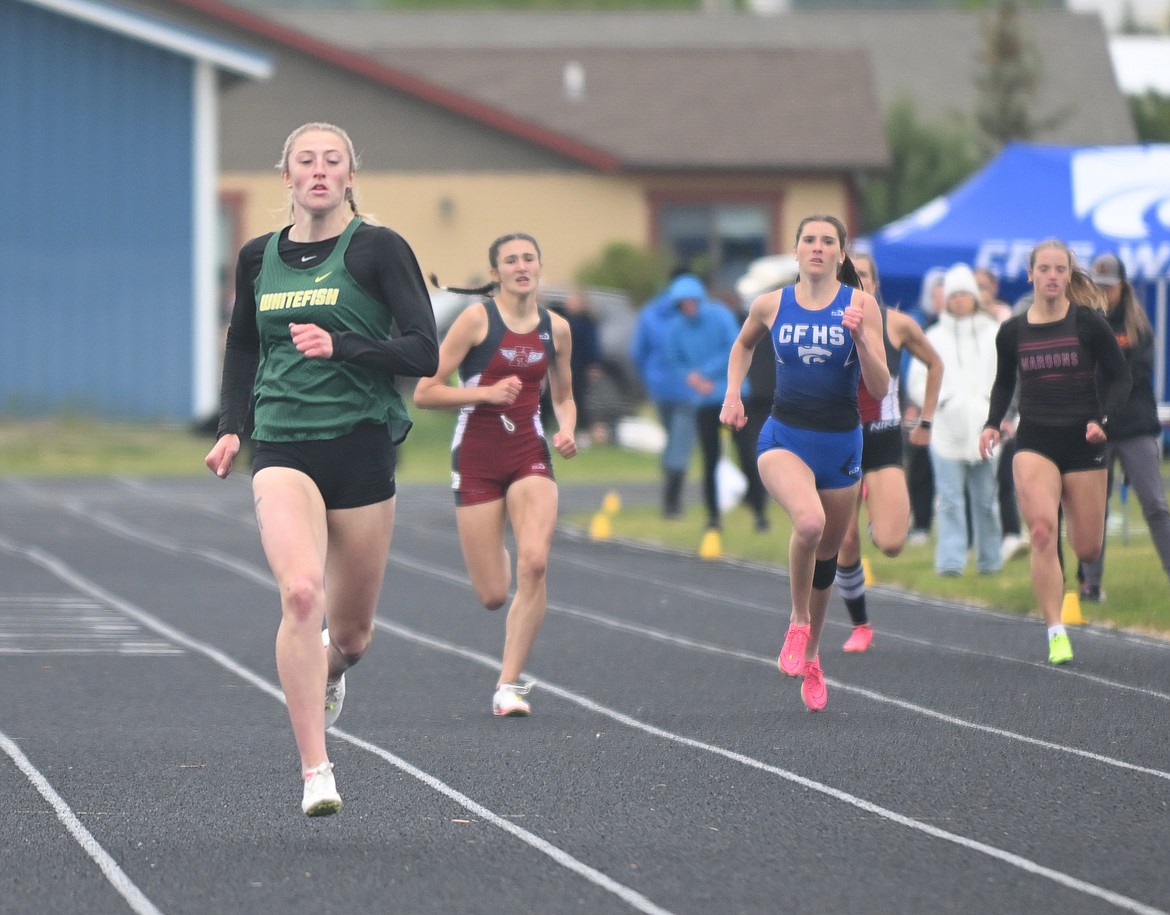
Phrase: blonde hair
x=1081 y=288
x=286 y=154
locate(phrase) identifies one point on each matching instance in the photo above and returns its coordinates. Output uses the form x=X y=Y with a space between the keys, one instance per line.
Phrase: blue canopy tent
x=1096 y=199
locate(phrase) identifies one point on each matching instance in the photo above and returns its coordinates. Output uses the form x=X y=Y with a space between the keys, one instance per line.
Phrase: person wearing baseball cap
x=1134 y=428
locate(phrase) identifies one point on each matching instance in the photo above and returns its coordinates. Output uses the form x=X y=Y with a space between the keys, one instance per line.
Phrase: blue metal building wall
x=97 y=234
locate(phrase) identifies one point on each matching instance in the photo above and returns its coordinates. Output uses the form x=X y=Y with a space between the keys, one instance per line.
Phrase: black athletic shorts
x=351 y=471
x=881 y=445
x=1065 y=446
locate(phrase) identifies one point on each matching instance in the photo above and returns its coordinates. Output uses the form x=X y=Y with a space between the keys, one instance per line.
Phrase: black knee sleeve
x=824 y=571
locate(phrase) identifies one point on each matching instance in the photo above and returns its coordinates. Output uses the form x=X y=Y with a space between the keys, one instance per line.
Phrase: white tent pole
x=1160 y=308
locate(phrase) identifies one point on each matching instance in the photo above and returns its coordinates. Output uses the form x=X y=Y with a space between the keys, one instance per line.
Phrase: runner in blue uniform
x=825 y=335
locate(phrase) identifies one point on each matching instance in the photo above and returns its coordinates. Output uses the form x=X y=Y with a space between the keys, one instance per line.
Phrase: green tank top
x=303 y=399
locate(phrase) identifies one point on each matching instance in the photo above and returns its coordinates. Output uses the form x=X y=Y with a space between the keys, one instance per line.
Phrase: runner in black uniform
x=328 y=312
x=883 y=476
x=1135 y=433
x=1057 y=347
x=501 y=471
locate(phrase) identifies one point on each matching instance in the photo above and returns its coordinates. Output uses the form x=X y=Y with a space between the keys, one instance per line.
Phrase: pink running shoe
x=812 y=690
x=791 y=660
x=860 y=638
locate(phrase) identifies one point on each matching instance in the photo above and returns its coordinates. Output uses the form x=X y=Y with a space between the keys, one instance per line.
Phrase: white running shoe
x=321 y=798
x=1014 y=545
x=509 y=699
x=334 y=692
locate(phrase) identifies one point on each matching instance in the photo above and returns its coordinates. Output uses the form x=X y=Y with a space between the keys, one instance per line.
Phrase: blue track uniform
x=815 y=413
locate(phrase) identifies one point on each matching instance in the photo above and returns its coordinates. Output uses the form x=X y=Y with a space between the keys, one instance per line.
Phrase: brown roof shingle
x=694 y=108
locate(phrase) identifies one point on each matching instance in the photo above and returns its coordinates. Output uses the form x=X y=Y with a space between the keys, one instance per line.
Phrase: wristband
x=925 y=424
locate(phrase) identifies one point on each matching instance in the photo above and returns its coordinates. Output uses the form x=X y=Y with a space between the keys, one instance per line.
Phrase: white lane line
x=57 y=567
x=574 y=533
x=41 y=624
x=1018 y=861
x=909 y=597
x=1025 y=864
x=720 y=598
x=117 y=877
x=670 y=638
x=264 y=579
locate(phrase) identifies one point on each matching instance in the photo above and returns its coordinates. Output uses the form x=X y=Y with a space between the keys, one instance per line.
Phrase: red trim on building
x=405 y=82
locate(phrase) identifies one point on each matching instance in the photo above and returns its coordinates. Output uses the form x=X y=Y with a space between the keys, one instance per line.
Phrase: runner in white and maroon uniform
x=504 y=349
x=497 y=444
x=883 y=477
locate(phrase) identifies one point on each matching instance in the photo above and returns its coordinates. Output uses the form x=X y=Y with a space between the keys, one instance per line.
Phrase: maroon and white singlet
x=495 y=445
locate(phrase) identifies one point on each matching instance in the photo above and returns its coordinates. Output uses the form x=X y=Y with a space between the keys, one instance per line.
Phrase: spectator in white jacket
x=964 y=337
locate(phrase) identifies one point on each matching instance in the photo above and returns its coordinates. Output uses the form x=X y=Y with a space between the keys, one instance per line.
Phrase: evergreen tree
x=927 y=160
x=1008 y=81
x=1151 y=116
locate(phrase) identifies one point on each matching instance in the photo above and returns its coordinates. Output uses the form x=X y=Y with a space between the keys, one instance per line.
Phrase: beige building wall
x=449 y=219
x=814 y=196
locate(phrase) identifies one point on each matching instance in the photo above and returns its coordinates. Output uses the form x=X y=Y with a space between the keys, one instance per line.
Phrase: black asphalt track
x=147 y=765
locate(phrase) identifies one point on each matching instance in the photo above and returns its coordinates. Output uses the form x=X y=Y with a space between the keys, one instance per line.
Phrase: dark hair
x=494 y=261
x=847 y=272
x=1133 y=314
x=873 y=270
x=494 y=248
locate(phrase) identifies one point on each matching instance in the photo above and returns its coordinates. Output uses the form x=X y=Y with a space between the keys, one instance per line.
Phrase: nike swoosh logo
x=323 y=276
x=308 y=257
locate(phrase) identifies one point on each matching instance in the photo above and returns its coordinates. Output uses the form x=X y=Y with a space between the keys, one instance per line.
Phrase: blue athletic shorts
x=833 y=457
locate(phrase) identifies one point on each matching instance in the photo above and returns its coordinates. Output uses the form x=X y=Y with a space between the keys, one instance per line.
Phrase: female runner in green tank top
x=329 y=311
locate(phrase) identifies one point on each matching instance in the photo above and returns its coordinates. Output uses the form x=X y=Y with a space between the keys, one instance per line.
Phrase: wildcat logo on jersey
x=813 y=355
x=521 y=355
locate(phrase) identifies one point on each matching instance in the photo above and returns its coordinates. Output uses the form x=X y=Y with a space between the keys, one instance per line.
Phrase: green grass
x=82 y=447
x=1138 y=596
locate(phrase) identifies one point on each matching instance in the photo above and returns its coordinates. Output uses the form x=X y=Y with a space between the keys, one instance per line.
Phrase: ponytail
x=847 y=273
x=489 y=289
x=1083 y=291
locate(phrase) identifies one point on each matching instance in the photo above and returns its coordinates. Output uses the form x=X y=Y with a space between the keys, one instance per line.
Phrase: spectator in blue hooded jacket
x=667 y=387
x=701 y=335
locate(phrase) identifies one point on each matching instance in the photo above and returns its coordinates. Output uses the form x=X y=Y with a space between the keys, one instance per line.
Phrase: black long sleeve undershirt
x=384 y=265
x=1048 y=403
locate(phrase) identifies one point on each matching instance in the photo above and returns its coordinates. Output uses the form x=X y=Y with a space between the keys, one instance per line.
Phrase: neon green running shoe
x=1059 y=649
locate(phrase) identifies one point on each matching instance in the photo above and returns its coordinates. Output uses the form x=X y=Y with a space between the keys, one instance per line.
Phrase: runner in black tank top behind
x=501 y=470
x=884 y=490
x=1057 y=347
